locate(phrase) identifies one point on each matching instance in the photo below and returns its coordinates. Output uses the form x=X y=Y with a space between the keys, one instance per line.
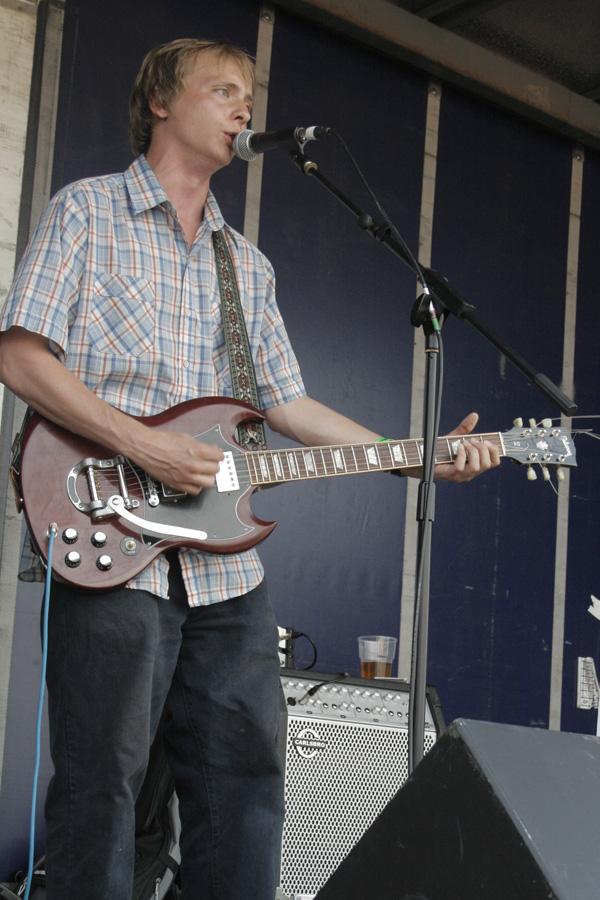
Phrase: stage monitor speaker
x=493 y=812
x=346 y=757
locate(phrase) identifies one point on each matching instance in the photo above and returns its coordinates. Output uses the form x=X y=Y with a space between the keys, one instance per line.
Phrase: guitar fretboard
x=299 y=463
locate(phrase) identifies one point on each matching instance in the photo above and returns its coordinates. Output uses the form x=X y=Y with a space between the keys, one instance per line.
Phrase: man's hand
x=32 y=372
x=473 y=457
x=177 y=459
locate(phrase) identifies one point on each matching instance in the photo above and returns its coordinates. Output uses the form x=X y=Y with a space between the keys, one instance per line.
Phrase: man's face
x=213 y=105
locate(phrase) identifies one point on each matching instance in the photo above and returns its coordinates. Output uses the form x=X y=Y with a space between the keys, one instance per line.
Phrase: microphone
x=248 y=144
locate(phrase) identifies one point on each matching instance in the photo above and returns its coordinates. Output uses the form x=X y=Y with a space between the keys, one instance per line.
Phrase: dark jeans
x=116 y=661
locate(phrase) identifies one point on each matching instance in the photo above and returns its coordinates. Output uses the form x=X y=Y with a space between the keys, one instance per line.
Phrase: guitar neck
x=297 y=464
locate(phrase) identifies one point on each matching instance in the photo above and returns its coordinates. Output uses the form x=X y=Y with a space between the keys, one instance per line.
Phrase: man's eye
x=224 y=91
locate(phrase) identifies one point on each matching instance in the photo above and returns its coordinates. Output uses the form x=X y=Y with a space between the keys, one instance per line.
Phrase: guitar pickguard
x=211 y=515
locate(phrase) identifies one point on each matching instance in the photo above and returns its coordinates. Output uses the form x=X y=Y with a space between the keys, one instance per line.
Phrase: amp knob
x=104 y=562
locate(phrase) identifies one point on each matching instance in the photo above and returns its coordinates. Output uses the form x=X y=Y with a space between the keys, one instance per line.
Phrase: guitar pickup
x=227 y=477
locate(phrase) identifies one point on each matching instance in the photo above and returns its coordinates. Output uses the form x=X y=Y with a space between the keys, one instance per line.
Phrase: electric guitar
x=113 y=519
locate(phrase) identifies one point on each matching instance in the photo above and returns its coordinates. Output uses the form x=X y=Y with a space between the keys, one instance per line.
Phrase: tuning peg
x=518 y=422
x=531 y=474
x=560 y=473
x=532 y=423
x=545 y=473
x=547 y=423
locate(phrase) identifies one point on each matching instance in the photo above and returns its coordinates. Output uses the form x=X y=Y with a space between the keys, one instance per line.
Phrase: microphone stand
x=441 y=301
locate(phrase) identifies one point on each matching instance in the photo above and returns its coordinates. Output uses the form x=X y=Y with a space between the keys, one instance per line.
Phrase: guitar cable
x=52 y=532
x=301 y=634
x=366 y=220
x=339 y=676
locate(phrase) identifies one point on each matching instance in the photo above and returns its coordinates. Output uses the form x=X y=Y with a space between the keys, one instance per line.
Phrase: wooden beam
x=455 y=60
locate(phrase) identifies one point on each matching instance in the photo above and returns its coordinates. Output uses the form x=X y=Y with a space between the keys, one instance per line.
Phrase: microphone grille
x=241 y=146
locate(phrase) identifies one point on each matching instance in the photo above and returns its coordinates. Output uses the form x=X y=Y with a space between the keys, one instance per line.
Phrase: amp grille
x=346 y=757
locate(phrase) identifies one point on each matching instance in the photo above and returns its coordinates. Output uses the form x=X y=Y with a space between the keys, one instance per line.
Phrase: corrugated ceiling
x=558 y=38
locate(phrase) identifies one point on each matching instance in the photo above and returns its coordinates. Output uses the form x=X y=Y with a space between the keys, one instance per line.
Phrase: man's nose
x=243 y=114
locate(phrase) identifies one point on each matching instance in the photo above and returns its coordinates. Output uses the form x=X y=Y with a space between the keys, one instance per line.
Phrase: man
x=115 y=312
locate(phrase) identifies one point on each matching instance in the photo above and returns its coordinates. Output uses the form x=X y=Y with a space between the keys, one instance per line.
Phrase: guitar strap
x=243 y=377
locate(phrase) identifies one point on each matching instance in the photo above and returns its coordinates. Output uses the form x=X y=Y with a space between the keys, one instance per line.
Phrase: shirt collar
x=144 y=189
x=145 y=192
x=212 y=213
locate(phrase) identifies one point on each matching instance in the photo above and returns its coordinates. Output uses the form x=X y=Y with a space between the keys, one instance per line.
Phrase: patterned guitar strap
x=243 y=377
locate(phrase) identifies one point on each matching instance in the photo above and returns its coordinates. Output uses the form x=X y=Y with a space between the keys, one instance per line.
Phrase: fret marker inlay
x=309 y=460
x=372 y=457
x=292 y=464
x=397 y=453
x=264 y=468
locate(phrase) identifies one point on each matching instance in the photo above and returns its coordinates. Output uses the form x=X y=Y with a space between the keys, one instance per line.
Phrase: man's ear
x=157 y=107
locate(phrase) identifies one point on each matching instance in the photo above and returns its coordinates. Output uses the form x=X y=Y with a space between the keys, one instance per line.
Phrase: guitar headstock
x=542 y=444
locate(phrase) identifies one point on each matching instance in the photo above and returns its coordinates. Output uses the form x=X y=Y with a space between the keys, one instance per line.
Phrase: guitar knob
x=547 y=423
x=104 y=562
x=531 y=474
x=518 y=422
x=98 y=539
x=546 y=473
x=70 y=535
x=532 y=423
x=73 y=559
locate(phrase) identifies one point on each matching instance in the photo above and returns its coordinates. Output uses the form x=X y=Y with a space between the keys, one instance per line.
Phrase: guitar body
x=112 y=519
x=54 y=486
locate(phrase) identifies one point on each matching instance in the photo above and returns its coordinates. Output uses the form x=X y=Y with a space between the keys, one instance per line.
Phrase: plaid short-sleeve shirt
x=135 y=313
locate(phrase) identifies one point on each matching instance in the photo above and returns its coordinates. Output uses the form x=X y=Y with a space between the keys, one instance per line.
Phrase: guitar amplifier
x=346 y=757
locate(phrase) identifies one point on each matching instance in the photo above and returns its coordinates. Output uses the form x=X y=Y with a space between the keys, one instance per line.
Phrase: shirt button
x=186 y=364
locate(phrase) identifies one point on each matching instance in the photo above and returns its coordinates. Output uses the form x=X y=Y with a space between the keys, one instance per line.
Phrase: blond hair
x=161 y=77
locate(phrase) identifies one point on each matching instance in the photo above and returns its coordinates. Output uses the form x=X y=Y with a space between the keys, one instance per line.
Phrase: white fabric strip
x=562 y=513
x=17 y=37
x=418 y=382
x=264 y=44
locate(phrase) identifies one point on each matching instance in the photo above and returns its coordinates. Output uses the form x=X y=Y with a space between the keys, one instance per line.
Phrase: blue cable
x=52 y=531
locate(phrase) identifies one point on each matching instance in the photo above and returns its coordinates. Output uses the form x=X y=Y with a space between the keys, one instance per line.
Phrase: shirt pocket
x=122 y=314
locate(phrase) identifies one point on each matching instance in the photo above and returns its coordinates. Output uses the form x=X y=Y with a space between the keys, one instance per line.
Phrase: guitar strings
x=275 y=466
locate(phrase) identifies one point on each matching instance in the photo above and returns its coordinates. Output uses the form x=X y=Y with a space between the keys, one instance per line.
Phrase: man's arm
x=313 y=424
x=29 y=369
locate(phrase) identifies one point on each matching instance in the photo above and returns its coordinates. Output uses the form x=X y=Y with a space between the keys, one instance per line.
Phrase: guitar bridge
x=96 y=506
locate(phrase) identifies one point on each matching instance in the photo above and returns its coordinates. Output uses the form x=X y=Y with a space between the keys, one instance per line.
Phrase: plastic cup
x=376 y=653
